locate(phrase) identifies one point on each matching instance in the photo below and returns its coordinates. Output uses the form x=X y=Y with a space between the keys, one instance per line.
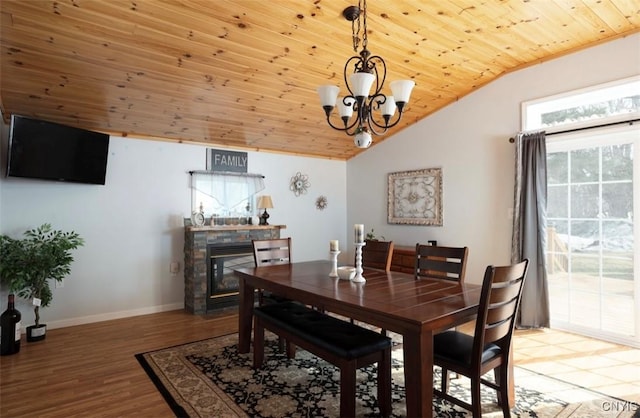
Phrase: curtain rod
x=630 y=122
x=225 y=173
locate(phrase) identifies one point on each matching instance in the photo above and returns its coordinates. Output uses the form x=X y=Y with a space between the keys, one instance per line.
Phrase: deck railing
x=557 y=253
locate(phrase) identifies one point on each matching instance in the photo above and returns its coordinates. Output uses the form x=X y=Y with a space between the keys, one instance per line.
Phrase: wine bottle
x=10 y=323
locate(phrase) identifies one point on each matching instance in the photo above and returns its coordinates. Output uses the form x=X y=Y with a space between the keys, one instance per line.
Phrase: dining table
x=394 y=301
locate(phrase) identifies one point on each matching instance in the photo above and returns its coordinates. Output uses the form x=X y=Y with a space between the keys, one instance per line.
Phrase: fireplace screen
x=222 y=283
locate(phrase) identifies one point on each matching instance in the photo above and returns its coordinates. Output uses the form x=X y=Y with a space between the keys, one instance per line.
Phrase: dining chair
x=270 y=252
x=489 y=348
x=449 y=263
x=377 y=254
x=439 y=262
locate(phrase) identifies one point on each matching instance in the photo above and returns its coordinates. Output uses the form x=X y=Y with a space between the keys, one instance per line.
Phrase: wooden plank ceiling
x=244 y=73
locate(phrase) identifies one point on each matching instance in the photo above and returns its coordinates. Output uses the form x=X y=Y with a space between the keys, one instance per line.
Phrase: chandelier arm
x=356 y=58
x=346 y=128
x=375 y=104
x=350 y=131
x=387 y=125
x=374 y=60
x=367 y=115
x=372 y=127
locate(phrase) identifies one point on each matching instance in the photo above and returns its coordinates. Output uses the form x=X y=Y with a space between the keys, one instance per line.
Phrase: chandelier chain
x=355 y=34
x=355 y=31
x=363 y=8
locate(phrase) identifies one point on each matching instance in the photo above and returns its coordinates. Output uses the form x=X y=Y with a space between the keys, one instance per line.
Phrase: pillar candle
x=333 y=245
x=359 y=232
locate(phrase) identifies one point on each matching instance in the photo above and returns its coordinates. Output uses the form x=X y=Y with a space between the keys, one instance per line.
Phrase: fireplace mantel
x=196 y=261
x=232 y=227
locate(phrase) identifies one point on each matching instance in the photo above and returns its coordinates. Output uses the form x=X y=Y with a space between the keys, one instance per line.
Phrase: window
x=224 y=196
x=611 y=102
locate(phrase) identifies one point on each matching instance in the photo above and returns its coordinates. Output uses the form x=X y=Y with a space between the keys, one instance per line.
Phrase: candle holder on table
x=334 y=263
x=358 y=277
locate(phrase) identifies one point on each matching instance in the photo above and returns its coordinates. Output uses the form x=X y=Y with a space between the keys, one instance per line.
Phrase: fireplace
x=211 y=253
x=222 y=283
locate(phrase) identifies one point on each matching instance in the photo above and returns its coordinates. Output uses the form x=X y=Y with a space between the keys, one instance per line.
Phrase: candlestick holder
x=334 y=263
x=358 y=277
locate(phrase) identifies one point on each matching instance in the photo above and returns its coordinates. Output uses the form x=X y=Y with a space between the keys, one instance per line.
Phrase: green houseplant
x=27 y=265
x=371 y=236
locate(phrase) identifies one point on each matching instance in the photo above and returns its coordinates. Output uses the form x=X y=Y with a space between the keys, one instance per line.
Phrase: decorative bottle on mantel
x=10 y=323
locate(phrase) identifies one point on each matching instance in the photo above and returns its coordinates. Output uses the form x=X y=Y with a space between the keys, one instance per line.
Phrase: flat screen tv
x=50 y=151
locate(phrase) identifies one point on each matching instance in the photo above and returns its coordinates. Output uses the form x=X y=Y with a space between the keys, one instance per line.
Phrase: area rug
x=210 y=378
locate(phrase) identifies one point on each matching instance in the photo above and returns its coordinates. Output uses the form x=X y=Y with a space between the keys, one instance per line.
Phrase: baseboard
x=112 y=315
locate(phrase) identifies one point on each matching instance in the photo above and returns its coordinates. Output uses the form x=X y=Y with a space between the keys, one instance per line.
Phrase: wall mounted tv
x=50 y=151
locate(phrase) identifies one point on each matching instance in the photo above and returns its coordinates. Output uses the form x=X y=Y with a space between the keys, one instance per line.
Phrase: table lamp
x=264 y=202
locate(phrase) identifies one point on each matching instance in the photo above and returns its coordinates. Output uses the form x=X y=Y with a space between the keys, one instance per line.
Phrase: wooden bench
x=347 y=346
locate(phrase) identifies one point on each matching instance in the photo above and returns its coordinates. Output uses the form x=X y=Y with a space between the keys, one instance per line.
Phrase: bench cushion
x=332 y=334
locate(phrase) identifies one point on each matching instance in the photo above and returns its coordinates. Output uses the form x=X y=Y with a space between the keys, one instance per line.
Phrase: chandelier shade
x=364 y=112
x=345 y=107
x=361 y=83
x=401 y=90
x=328 y=95
x=389 y=107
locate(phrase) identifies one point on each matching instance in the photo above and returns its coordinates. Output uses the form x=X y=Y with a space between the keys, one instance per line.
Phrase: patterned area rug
x=210 y=378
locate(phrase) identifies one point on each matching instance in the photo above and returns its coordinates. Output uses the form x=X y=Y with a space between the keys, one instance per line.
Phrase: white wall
x=469 y=140
x=133 y=229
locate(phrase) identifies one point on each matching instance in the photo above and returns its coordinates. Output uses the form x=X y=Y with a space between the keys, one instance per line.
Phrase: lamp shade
x=401 y=90
x=264 y=202
x=328 y=95
x=345 y=110
x=389 y=106
x=361 y=83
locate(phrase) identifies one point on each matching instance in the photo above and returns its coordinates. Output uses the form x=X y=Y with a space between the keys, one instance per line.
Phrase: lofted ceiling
x=243 y=73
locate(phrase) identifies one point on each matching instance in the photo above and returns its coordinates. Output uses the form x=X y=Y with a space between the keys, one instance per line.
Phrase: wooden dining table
x=416 y=309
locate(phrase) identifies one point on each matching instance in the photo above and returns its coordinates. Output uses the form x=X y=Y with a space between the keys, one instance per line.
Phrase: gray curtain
x=529 y=227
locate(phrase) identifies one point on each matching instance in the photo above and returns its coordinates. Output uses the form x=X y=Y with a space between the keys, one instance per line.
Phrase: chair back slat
x=496 y=332
x=499 y=301
x=499 y=313
x=377 y=254
x=445 y=268
x=272 y=251
x=502 y=294
x=441 y=262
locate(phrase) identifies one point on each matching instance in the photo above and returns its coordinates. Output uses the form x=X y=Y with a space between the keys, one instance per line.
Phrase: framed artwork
x=415 y=197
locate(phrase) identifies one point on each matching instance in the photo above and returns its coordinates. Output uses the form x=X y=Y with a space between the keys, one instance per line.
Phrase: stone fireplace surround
x=196 y=261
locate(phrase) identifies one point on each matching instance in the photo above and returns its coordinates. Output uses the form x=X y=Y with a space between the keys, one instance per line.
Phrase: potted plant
x=27 y=265
x=371 y=236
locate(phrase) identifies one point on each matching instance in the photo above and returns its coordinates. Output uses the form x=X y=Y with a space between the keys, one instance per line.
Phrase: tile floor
x=600 y=366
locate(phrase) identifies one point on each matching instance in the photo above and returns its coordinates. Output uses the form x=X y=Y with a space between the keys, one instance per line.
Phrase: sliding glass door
x=592 y=256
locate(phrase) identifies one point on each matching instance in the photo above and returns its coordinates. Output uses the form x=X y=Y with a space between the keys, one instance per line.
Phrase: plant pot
x=36 y=333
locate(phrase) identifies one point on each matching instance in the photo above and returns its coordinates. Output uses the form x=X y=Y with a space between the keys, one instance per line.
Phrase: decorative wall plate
x=299 y=184
x=321 y=202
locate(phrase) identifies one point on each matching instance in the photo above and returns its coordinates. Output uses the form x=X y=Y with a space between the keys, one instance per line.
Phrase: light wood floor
x=90 y=370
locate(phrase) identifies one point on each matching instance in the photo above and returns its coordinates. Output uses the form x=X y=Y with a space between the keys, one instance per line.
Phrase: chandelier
x=365 y=70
